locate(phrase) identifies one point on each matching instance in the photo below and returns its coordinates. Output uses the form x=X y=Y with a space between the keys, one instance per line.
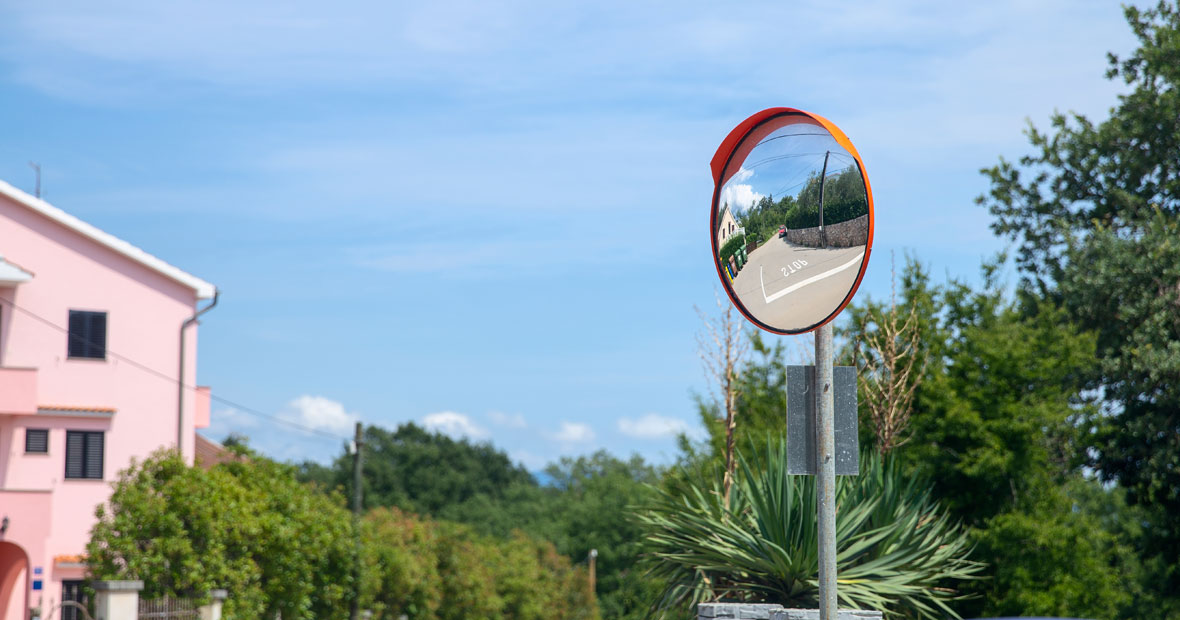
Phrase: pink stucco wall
x=137 y=379
x=18 y=390
x=203 y=403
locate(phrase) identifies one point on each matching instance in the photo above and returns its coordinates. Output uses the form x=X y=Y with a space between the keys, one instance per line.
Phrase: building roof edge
x=203 y=289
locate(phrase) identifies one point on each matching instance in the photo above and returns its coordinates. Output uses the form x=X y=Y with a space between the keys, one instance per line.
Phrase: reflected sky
x=781 y=163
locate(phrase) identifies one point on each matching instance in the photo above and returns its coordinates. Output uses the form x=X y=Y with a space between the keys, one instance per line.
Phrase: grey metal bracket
x=801 y=421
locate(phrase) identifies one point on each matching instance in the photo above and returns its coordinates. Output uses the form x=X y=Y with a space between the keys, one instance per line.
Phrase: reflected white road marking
x=816 y=278
x=763 y=283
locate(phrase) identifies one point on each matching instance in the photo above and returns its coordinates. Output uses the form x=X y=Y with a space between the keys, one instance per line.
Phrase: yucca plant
x=897 y=552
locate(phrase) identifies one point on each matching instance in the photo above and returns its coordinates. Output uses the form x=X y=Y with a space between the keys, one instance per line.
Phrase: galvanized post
x=357 y=494
x=825 y=467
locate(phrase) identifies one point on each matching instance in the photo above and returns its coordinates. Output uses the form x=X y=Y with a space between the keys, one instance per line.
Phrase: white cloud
x=284 y=442
x=454 y=425
x=652 y=426
x=531 y=461
x=739 y=196
x=511 y=420
x=320 y=413
x=573 y=432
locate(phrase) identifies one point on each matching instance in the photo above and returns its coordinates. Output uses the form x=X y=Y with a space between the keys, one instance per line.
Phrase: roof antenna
x=37 y=169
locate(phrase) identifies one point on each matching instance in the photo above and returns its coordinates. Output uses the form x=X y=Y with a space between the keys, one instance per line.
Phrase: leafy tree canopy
x=994 y=427
x=1095 y=214
x=248 y=527
x=423 y=472
x=421 y=569
x=997 y=429
x=585 y=504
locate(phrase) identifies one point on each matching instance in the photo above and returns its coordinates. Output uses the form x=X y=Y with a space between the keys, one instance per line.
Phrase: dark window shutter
x=37 y=440
x=97 y=335
x=88 y=334
x=94 y=448
x=78 y=327
x=75 y=457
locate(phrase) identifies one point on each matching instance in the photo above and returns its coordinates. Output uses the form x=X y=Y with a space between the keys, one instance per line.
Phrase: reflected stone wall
x=842 y=235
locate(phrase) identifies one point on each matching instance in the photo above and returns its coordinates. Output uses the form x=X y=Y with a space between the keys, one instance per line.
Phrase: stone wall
x=736 y=611
x=768 y=611
x=842 y=235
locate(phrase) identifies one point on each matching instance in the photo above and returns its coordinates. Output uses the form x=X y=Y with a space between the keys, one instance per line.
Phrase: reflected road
x=793 y=287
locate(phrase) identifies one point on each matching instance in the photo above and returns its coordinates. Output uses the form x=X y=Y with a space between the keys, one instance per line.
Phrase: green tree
x=538 y=583
x=594 y=499
x=994 y=427
x=401 y=573
x=844 y=198
x=584 y=506
x=993 y=415
x=424 y=472
x=248 y=527
x=424 y=569
x=1094 y=212
x=1057 y=559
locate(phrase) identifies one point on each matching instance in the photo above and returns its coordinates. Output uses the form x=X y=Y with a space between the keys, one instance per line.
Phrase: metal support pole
x=357 y=480
x=825 y=480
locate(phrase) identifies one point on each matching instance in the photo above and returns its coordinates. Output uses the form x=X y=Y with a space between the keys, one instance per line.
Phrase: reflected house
x=90 y=349
x=727 y=227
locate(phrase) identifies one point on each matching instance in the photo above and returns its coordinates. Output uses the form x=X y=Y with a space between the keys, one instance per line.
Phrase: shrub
x=896 y=550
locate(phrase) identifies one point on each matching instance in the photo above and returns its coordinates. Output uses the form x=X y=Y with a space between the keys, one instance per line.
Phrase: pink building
x=91 y=346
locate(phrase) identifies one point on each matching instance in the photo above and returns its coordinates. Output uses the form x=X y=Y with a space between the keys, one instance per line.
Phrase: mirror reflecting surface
x=791 y=224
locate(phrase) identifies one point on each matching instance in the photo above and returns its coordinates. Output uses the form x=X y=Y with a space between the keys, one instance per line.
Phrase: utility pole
x=593 y=577
x=37 y=171
x=823 y=178
x=354 y=613
x=825 y=467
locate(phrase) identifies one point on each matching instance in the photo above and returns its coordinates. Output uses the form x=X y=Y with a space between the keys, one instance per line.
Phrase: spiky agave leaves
x=896 y=550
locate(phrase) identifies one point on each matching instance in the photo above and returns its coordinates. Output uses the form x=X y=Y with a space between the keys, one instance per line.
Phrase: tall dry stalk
x=722 y=348
x=891 y=365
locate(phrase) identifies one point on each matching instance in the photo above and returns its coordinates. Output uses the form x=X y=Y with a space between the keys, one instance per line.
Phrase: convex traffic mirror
x=792 y=219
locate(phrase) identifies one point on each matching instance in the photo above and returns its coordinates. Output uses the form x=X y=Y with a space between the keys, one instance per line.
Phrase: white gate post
x=116 y=600
x=212 y=609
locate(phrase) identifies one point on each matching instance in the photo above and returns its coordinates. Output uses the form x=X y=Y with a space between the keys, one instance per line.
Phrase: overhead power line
x=796 y=135
x=177 y=380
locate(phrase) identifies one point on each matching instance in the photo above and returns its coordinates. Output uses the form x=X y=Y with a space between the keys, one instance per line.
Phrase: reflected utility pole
x=823 y=178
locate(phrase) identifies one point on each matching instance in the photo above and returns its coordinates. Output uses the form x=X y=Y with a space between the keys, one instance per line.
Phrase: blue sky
x=492 y=217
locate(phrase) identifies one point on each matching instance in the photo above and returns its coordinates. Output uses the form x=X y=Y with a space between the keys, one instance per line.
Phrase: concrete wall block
x=736 y=611
x=813 y=614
